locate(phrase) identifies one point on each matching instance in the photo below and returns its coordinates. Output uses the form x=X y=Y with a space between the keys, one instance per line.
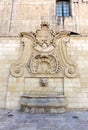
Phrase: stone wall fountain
x=44 y=64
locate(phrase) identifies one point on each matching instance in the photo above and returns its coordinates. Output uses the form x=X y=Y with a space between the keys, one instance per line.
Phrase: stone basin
x=43 y=104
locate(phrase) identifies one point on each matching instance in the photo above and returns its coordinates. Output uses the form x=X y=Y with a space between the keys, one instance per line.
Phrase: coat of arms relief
x=44 y=55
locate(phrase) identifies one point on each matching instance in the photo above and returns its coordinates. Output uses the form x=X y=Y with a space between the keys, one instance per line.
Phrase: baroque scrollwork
x=16 y=70
x=44 y=36
x=70 y=68
x=43 y=64
x=44 y=39
x=44 y=52
x=26 y=40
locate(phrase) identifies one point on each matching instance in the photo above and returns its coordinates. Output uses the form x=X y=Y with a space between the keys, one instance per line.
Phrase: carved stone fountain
x=44 y=64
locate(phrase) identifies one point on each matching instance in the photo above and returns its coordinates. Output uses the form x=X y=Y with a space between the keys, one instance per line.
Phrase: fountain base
x=43 y=104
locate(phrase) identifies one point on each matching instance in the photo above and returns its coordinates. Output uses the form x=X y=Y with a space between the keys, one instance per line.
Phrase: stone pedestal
x=43 y=104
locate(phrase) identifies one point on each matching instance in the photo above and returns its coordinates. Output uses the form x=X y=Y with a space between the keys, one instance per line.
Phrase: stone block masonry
x=27 y=15
x=76 y=90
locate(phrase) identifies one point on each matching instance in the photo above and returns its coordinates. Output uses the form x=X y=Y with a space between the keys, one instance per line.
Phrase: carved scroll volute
x=70 y=68
x=44 y=41
x=27 y=40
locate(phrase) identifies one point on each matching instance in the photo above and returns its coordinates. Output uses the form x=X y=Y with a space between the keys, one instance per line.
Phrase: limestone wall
x=77 y=89
x=24 y=15
x=9 y=49
x=11 y=88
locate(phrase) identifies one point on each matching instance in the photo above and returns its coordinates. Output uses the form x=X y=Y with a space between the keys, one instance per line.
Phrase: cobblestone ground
x=16 y=120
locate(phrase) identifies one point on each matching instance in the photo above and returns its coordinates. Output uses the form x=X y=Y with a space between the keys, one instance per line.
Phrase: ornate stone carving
x=43 y=82
x=17 y=70
x=44 y=53
x=44 y=36
x=70 y=69
x=43 y=64
x=44 y=39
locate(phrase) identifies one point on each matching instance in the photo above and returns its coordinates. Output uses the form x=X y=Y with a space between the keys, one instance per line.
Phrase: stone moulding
x=41 y=48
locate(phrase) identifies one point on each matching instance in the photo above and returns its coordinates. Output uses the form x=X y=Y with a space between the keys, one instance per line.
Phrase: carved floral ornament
x=44 y=53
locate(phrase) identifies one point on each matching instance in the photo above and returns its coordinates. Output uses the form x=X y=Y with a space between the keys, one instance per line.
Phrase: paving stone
x=3 y=112
x=26 y=121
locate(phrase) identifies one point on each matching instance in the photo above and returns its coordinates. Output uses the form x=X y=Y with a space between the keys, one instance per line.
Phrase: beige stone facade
x=26 y=16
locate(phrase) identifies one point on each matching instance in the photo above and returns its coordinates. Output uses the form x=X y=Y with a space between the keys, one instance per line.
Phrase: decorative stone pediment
x=44 y=54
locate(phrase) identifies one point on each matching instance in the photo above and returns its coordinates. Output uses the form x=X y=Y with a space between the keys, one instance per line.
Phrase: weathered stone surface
x=26 y=121
x=44 y=56
x=76 y=90
x=43 y=104
x=16 y=16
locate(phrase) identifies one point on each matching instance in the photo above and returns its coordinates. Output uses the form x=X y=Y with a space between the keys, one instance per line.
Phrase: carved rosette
x=16 y=70
x=71 y=72
x=45 y=52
